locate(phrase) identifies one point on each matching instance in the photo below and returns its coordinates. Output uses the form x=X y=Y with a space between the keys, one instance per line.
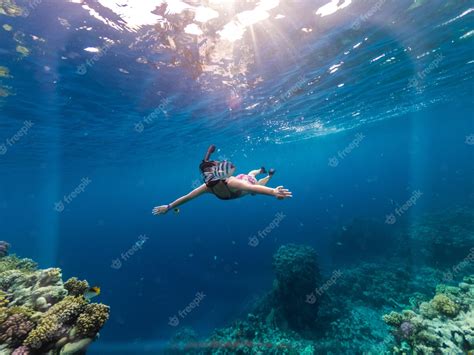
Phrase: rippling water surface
x=268 y=71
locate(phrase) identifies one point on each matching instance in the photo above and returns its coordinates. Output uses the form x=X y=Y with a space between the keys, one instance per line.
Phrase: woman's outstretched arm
x=278 y=192
x=192 y=195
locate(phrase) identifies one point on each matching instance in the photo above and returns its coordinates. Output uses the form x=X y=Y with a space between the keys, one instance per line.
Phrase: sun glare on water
x=215 y=40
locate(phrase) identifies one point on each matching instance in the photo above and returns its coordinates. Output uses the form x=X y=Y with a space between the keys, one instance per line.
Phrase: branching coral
x=92 y=319
x=76 y=287
x=13 y=263
x=56 y=321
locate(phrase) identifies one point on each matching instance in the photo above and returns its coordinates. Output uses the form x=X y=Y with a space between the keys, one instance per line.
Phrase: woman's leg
x=265 y=180
x=254 y=173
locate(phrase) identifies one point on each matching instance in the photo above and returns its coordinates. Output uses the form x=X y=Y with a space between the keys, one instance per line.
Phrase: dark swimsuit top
x=232 y=195
x=211 y=183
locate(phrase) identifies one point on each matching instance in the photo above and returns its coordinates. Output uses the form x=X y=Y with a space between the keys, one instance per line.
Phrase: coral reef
x=255 y=336
x=444 y=325
x=76 y=287
x=15 y=329
x=41 y=314
x=352 y=315
x=92 y=319
x=4 y=246
x=378 y=285
x=346 y=319
x=297 y=275
x=278 y=323
x=360 y=330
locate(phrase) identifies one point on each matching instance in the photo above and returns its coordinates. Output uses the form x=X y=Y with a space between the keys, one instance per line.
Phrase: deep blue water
x=276 y=100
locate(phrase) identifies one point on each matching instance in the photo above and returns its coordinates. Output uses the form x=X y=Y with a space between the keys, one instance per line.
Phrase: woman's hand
x=160 y=210
x=281 y=193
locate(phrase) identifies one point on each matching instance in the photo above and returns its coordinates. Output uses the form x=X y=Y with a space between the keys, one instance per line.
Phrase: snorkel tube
x=210 y=150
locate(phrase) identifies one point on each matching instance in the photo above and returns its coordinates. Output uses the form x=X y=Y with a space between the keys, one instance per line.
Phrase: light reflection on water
x=263 y=71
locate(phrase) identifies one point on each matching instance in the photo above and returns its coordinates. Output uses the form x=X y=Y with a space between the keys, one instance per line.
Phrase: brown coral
x=76 y=287
x=56 y=321
x=444 y=305
x=15 y=329
x=93 y=318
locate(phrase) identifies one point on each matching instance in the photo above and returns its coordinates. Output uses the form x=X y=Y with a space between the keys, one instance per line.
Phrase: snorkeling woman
x=219 y=180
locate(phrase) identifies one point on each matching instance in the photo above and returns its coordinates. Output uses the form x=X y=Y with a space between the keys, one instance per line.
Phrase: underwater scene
x=236 y=177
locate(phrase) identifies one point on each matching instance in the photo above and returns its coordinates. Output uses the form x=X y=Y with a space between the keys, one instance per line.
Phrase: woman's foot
x=271 y=172
x=263 y=170
x=210 y=150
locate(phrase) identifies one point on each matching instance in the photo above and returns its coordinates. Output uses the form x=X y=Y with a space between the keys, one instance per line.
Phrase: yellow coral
x=393 y=319
x=63 y=313
x=21 y=310
x=43 y=334
x=3 y=307
x=93 y=318
x=3 y=299
x=444 y=305
x=76 y=287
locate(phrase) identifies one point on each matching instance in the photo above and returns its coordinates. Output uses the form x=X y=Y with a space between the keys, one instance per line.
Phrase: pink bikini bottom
x=247 y=178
